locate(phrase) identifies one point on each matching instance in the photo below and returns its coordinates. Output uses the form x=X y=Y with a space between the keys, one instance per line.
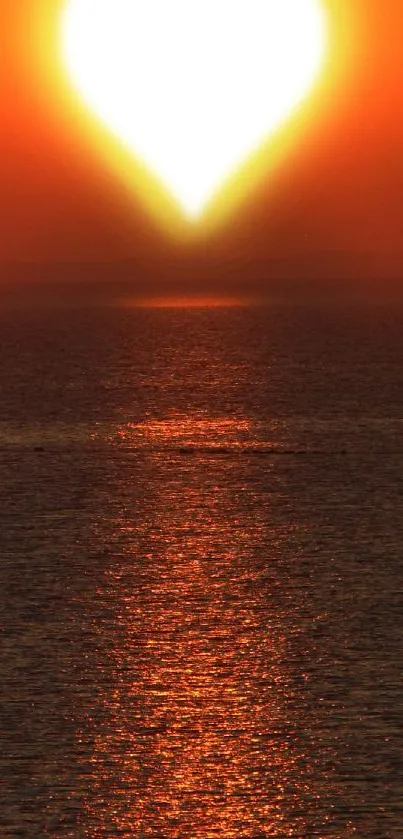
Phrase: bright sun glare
x=193 y=87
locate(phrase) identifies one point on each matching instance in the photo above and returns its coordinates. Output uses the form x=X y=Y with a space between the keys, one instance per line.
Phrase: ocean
x=201 y=572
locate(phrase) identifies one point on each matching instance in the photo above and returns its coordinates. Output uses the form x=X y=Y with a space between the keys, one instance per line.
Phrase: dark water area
x=201 y=573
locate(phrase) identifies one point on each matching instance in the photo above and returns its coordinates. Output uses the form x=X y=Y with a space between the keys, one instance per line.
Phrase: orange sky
x=339 y=189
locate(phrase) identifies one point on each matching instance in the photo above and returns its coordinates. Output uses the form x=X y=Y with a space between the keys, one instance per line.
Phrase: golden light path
x=193 y=87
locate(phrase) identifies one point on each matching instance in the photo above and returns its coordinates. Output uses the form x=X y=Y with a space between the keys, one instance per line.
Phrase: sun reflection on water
x=184 y=430
x=200 y=736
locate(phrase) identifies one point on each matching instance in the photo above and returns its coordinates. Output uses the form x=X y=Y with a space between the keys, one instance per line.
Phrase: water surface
x=201 y=573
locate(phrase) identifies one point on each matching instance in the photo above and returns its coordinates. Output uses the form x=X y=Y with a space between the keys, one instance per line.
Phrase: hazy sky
x=339 y=188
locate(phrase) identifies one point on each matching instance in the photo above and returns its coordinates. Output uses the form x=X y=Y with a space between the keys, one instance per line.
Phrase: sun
x=193 y=87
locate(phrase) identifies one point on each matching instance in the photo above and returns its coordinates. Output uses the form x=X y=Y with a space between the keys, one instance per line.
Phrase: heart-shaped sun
x=193 y=87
